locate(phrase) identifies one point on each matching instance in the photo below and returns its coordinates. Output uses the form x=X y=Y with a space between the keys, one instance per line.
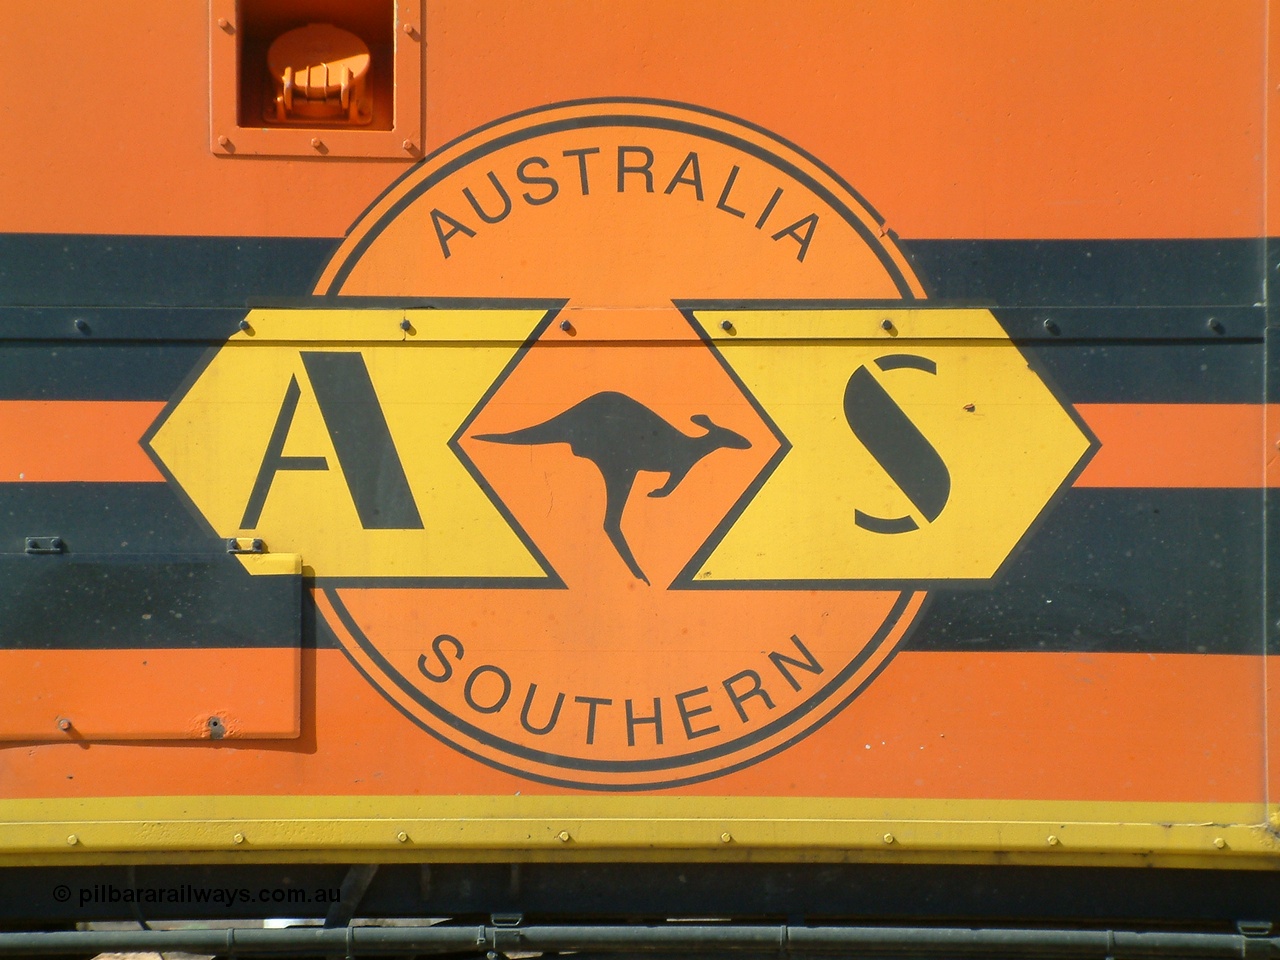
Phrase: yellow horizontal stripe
x=377 y=325
x=810 y=324
x=631 y=828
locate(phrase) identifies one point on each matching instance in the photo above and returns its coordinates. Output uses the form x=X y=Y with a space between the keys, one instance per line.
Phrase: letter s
x=446 y=668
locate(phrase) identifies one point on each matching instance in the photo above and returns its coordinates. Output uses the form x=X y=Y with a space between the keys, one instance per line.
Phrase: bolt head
x=566 y=326
x=886 y=324
x=402 y=837
x=408 y=146
x=238 y=838
x=888 y=838
x=563 y=836
x=72 y=840
x=64 y=724
x=405 y=325
x=726 y=837
x=317 y=142
x=726 y=326
x=1219 y=842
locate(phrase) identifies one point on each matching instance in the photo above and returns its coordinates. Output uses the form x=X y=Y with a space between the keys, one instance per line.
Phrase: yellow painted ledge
x=321 y=829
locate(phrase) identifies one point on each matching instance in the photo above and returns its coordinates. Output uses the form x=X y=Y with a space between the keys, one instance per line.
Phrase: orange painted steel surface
x=1059 y=119
x=1146 y=125
x=151 y=695
x=1037 y=726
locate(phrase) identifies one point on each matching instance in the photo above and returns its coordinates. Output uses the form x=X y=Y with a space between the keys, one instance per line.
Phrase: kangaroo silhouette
x=622 y=436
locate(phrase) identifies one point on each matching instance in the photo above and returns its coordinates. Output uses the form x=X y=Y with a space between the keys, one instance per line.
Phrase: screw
x=726 y=837
x=402 y=837
x=72 y=840
x=1053 y=841
x=238 y=838
x=405 y=325
x=563 y=836
x=1215 y=325
x=726 y=326
x=244 y=325
x=1051 y=326
x=82 y=325
x=64 y=724
x=1219 y=842
x=888 y=838
x=886 y=324
x=566 y=326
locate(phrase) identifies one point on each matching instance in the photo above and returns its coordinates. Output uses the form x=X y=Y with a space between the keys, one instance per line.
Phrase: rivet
x=726 y=837
x=408 y=145
x=1053 y=841
x=405 y=325
x=1051 y=326
x=238 y=838
x=1219 y=842
x=64 y=724
x=886 y=324
x=969 y=407
x=888 y=838
x=244 y=325
x=563 y=836
x=402 y=837
x=566 y=326
x=82 y=325
x=72 y=840
x=726 y=326
x=317 y=142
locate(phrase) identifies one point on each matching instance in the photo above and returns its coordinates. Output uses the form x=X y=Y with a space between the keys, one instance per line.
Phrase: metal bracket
x=37 y=545
x=242 y=545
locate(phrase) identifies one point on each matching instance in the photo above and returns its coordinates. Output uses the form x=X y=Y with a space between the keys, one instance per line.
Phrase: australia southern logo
x=622 y=444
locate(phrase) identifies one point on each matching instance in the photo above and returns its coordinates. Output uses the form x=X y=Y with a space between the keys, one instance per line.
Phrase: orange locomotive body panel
x=659 y=433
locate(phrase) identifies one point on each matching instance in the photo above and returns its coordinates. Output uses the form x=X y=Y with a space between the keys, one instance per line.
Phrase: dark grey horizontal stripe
x=1188 y=371
x=127 y=271
x=1105 y=570
x=66 y=602
x=1140 y=571
x=213 y=325
x=86 y=270
x=1272 y=495
x=1092 y=273
x=94 y=519
x=95 y=371
x=1145 y=372
x=1210 y=324
x=95 y=324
